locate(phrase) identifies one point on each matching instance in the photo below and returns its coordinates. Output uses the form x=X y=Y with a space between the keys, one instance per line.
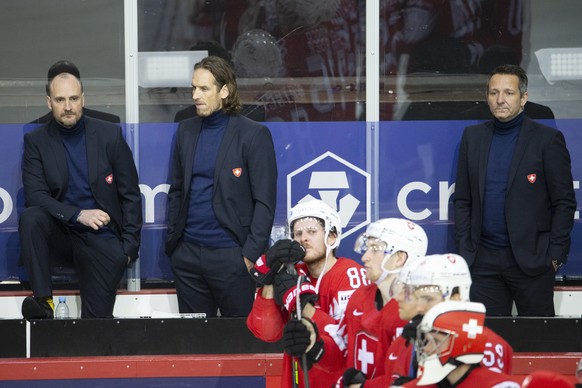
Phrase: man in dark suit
x=514 y=202
x=221 y=202
x=83 y=203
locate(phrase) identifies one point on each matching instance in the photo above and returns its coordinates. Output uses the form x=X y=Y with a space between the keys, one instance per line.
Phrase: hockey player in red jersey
x=331 y=281
x=450 y=344
x=422 y=285
x=399 y=355
x=371 y=320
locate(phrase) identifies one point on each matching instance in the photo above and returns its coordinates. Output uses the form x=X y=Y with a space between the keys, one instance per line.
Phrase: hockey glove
x=282 y=252
x=286 y=292
x=351 y=376
x=402 y=380
x=409 y=330
x=298 y=338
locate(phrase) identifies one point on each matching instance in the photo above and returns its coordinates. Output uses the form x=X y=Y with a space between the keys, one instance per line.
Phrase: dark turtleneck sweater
x=78 y=189
x=202 y=227
x=494 y=231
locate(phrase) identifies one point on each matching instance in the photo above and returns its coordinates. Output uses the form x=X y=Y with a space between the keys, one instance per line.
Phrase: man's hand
x=93 y=218
x=281 y=253
x=248 y=263
x=557 y=265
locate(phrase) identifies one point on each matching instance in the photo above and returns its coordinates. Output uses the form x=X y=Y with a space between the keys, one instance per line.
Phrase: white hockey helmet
x=448 y=273
x=397 y=234
x=405 y=272
x=450 y=333
x=320 y=210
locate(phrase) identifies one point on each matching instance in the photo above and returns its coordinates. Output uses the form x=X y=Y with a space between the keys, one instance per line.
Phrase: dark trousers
x=498 y=282
x=99 y=261
x=208 y=279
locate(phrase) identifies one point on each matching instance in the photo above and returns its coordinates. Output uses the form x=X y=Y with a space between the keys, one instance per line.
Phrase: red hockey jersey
x=266 y=320
x=361 y=339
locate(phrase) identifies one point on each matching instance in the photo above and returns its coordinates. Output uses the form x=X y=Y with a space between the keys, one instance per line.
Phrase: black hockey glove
x=402 y=380
x=297 y=339
x=351 y=376
x=285 y=285
x=282 y=252
x=409 y=330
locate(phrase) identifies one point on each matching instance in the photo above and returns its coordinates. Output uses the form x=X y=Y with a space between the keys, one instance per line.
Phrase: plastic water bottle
x=62 y=310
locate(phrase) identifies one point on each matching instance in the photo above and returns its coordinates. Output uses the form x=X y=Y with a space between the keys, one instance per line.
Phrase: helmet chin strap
x=386 y=272
x=323 y=271
x=328 y=249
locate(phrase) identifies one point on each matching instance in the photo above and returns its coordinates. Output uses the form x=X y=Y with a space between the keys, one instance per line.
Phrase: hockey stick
x=303 y=356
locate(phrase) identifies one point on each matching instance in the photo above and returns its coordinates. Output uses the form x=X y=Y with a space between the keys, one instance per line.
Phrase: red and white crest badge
x=531 y=178
x=237 y=172
x=109 y=179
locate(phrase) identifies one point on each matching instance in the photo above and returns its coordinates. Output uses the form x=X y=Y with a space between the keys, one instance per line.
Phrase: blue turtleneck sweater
x=494 y=231
x=78 y=189
x=202 y=227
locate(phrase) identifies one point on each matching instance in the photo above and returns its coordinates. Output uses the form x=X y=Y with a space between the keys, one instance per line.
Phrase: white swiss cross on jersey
x=365 y=348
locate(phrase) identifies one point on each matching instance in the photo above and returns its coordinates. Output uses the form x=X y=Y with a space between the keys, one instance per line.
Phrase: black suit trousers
x=212 y=279
x=498 y=282
x=98 y=259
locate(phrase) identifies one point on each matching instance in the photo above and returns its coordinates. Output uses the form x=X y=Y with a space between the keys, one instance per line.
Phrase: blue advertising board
x=323 y=160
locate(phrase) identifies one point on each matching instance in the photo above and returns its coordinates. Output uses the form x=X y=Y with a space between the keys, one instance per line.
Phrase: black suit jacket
x=45 y=177
x=539 y=209
x=245 y=204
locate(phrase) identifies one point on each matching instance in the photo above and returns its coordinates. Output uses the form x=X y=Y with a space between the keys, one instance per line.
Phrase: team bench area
x=217 y=352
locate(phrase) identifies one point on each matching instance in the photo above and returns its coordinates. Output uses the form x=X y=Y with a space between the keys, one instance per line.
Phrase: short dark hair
x=224 y=75
x=62 y=66
x=514 y=70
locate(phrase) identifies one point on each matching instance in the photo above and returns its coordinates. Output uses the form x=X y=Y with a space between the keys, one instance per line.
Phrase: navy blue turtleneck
x=78 y=189
x=494 y=231
x=202 y=227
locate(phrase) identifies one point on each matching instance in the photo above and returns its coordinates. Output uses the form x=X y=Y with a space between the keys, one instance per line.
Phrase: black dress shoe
x=36 y=308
